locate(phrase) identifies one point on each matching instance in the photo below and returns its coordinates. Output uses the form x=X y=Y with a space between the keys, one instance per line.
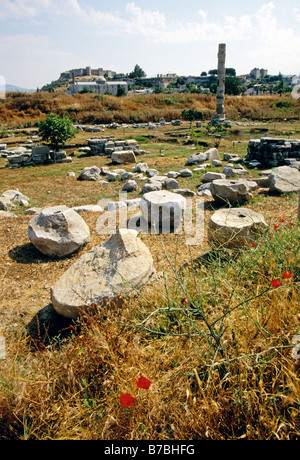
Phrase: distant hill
x=13 y=88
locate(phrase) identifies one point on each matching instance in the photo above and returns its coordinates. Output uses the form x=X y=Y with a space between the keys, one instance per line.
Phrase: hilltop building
x=257 y=74
x=88 y=72
x=161 y=81
x=197 y=79
x=99 y=86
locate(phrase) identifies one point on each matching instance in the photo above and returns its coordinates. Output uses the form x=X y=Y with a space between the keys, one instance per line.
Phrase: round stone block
x=235 y=227
x=163 y=210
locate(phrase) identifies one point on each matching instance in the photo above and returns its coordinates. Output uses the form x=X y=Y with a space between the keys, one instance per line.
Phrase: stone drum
x=163 y=210
x=235 y=227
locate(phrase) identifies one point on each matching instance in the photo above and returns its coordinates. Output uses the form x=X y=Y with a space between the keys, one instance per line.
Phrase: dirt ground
x=26 y=275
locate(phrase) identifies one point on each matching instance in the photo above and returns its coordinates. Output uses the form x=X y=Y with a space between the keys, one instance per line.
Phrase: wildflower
x=142 y=382
x=184 y=301
x=253 y=245
x=276 y=283
x=126 y=400
x=281 y=220
x=291 y=224
x=276 y=227
x=287 y=275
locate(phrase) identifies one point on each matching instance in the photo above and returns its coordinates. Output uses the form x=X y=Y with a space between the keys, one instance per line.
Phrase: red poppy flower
x=276 y=227
x=281 y=220
x=126 y=400
x=142 y=382
x=276 y=283
x=184 y=301
x=287 y=275
x=291 y=224
x=253 y=245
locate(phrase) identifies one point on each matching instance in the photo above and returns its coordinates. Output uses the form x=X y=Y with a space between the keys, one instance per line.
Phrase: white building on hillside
x=99 y=86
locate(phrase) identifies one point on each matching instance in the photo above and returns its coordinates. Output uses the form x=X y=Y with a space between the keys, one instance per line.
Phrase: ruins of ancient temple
x=271 y=152
x=219 y=116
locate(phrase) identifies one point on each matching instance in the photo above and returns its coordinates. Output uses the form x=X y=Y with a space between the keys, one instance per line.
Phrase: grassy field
x=23 y=108
x=222 y=363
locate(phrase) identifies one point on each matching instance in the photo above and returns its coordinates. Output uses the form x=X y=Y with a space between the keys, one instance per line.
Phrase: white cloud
x=202 y=14
x=254 y=39
x=266 y=21
x=146 y=18
x=296 y=13
x=152 y=25
x=33 y=9
x=238 y=28
x=16 y=10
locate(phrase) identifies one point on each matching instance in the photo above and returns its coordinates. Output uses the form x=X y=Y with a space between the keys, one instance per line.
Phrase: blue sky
x=39 y=39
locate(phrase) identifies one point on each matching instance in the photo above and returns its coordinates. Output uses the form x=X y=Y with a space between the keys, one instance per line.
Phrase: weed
x=212 y=333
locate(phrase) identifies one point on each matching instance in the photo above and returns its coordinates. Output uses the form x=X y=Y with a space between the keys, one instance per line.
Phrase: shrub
x=191 y=114
x=282 y=104
x=56 y=131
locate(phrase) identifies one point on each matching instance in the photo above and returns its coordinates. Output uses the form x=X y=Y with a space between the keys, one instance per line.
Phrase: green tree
x=213 y=88
x=85 y=91
x=280 y=87
x=180 y=81
x=56 y=131
x=233 y=86
x=230 y=71
x=121 y=91
x=137 y=72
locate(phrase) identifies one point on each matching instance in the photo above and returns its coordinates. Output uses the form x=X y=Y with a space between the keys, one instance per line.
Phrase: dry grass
x=19 y=108
x=220 y=368
x=71 y=391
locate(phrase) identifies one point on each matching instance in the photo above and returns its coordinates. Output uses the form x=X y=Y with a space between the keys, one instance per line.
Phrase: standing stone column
x=219 y=116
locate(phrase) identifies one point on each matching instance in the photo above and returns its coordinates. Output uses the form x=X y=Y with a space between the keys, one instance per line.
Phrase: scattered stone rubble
x=58 y=231
x=33 y=156
x=163 y=210
x=90 y=128
x=232 y=191
x=108 y=147
x=200 y=157
x=91 y=173
x=123 y=262
x=235 y=227
x=107 y=273
x=120 y=152
x=284 y=179
x=270 y=152
x=125 y=156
